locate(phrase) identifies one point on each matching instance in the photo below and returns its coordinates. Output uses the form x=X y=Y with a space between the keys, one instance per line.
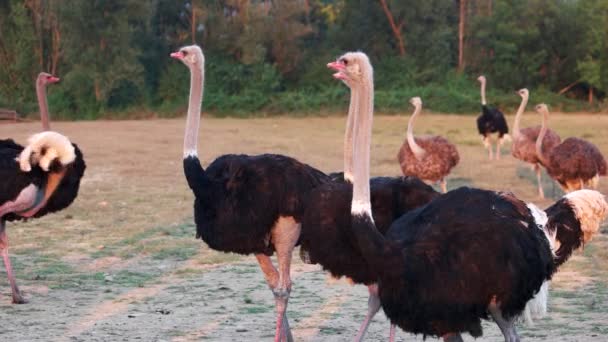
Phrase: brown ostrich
x=524 y=141
x=574 y=163
x=429 y=158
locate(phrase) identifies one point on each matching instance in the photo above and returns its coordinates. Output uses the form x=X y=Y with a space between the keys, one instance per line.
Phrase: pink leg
x=373 y=305
x=444 y=186
x=391 y=335
x=541 y=193
x=498 y=148
x=17 y=298
x=272 y=278
x=284 y=236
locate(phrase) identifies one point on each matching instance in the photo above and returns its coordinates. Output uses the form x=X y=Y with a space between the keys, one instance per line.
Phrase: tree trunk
x=193 y=23
x=395 y=28
x=461 y=24
x=590 y=95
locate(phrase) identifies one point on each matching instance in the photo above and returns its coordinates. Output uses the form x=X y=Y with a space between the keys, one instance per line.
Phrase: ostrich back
x=13 y=180
x=326 y=224
x=245 y=197
x=575 y=159
x=457 y=254
x=441 y=156
x=524 y=145
x=491 y=120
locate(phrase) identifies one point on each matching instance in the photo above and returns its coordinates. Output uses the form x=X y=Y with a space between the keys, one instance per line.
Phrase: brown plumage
x=524 y=141
x=574 y=163
x=428 y=158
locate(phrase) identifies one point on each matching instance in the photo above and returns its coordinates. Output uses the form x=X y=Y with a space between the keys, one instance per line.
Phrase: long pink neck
x=348 y=137
x=520 y=111
x=362 y=145
x=197 y=76
x=416 y=149
x=43 y=105
x=541 y=136
x=483 y=92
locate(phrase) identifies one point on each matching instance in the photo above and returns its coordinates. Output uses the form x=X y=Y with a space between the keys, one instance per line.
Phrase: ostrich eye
x=184 y=52
x=344 y=61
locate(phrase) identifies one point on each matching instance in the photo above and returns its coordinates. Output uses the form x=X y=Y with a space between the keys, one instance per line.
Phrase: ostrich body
x=39 y=190
x=574 y=163
x=524 y=141
x=49 y=185
x=326 y=223
x=440 y=271
x=428 y=158
x=246 y=204
x=491 y=121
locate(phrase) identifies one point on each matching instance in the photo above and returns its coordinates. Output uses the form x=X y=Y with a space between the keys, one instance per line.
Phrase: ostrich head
x=481 y=79
x=541 y=108
x=416 y=101
x=524 y=93
x=190 y=55
x=46 y=78
x=353 y=68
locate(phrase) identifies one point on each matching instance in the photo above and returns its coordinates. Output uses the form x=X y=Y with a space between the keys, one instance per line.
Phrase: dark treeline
x=269 y=56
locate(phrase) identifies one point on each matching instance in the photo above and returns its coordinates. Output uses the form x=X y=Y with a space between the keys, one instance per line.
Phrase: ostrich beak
x=339 y=67
x=54 y=79
x=178 y=55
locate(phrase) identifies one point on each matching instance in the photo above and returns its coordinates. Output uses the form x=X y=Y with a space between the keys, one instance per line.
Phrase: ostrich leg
x=272 y=278
x=444 y=186
x=373 y=306
x=452 y=338
x=507 y=327
x=498 y=143
x=17 y=298
x=284 y=236
x=541 y=193
x=487 y=143
x=391 y=334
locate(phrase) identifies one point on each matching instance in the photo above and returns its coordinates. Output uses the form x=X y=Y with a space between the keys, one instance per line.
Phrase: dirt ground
x=122 y=264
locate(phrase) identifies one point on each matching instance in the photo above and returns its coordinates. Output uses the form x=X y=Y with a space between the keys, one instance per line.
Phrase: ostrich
x=444 y=266
x=428 y=158
x=41 y=83
x=246 y=204
x=573 y=163
x=524 y=141
x=491 y=121
x=326 y=222
x=41 y=178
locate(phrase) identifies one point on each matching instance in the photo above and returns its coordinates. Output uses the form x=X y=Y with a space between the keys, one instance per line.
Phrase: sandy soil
x=122 y=264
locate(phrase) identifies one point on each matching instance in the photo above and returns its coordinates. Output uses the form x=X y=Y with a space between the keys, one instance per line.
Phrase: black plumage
x=491 y=121
x=239 y=198
x=469 y=254
x=326 y=224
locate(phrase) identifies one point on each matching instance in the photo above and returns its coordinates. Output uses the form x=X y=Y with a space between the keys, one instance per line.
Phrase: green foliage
x=269 y=57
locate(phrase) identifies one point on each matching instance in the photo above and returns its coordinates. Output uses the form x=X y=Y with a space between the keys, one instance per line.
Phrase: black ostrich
x=46 y=179
x=43 y=180
x=247 y=204
x=491 y=121
x=468 y=254
x=326 y=222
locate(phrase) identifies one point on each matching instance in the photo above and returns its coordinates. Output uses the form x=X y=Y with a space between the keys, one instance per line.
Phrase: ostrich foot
x=17 y=297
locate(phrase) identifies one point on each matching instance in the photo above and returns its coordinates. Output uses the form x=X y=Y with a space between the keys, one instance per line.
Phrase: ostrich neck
x=43 y=106
x=416 y=149
x=483 y=93
x=364 y=116
x=348 y=136
x=194 y=112
x=539 y=140
x=520 y=111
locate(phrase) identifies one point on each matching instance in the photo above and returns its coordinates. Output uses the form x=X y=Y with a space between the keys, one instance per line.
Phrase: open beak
x=339 y=67
x=177 y=55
